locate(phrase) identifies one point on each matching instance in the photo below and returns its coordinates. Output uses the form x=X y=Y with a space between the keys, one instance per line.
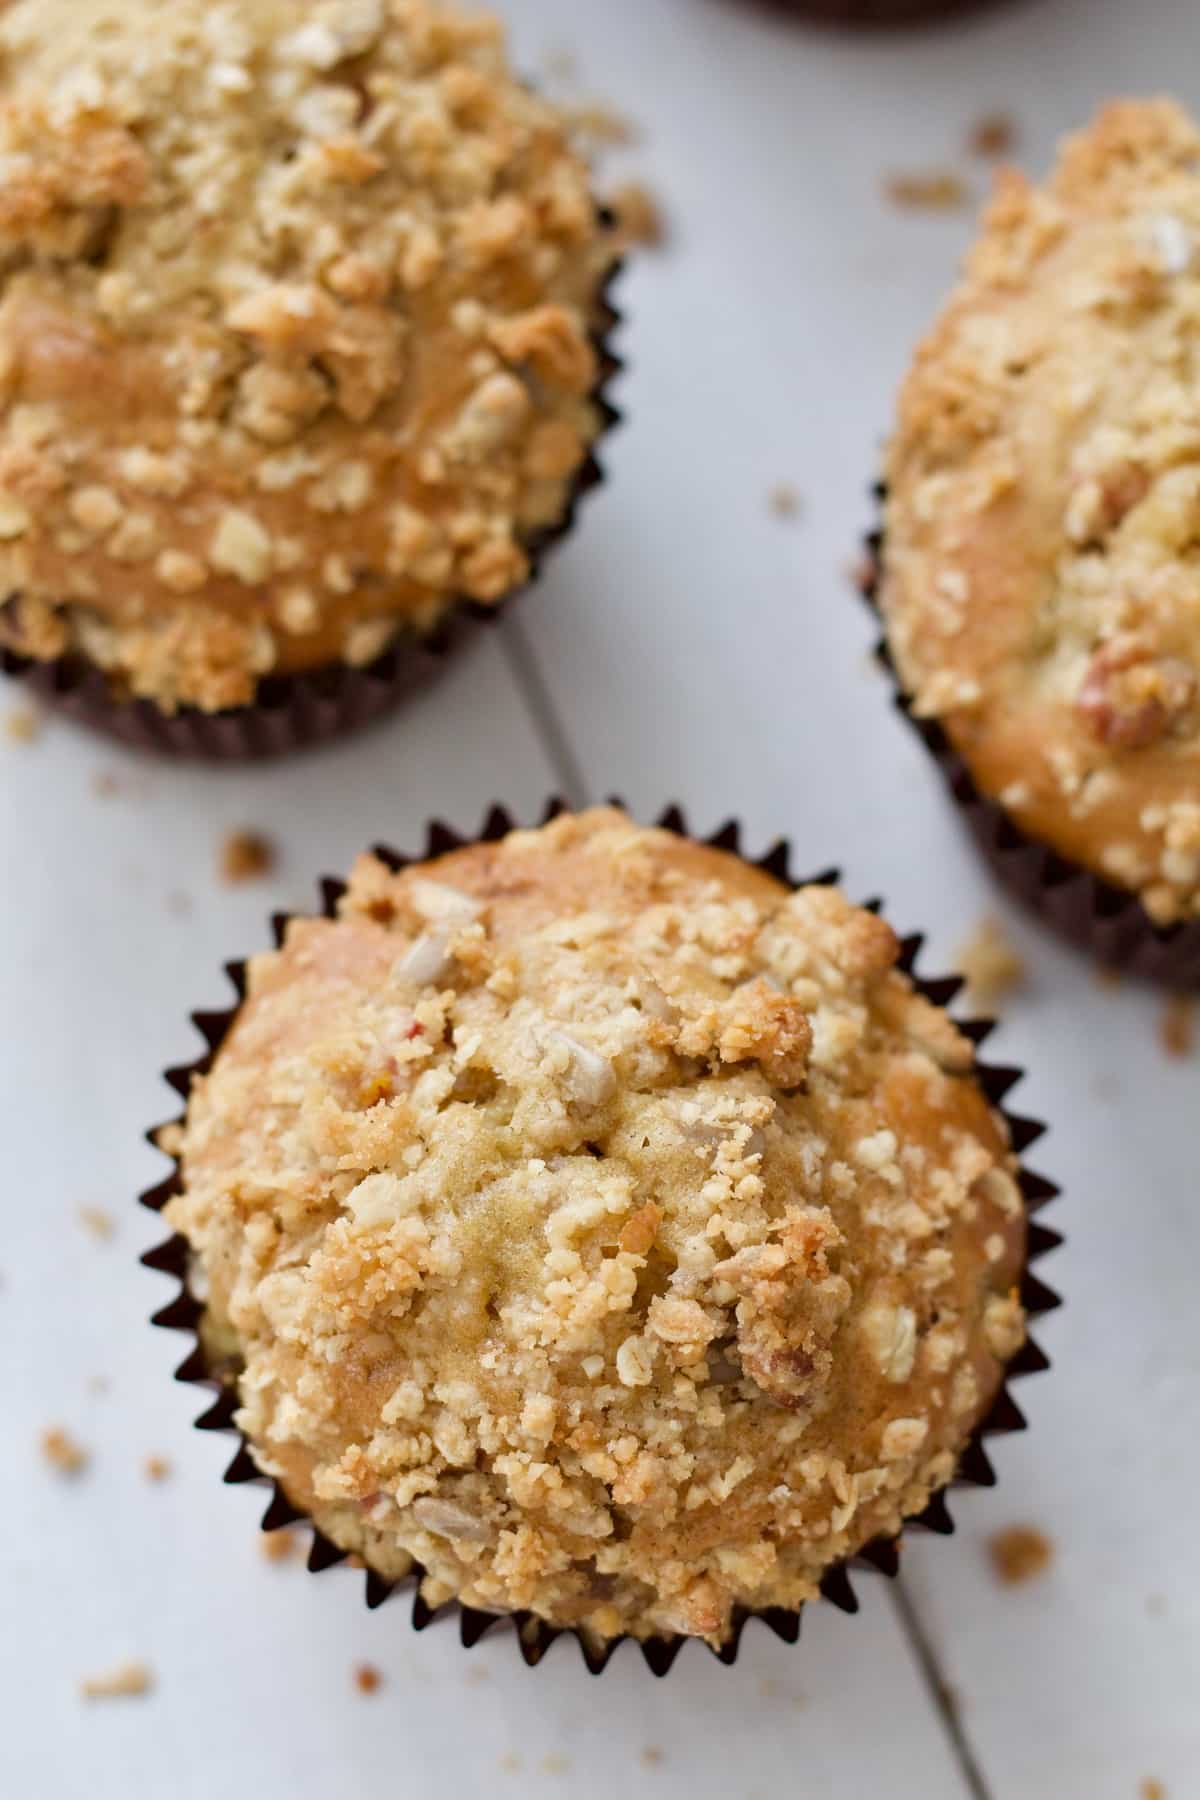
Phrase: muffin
x=1039 y=584
x=298 y=339
x=599 y=1229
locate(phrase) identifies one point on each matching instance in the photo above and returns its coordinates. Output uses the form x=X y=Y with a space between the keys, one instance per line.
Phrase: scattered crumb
x=367 y=1678
x=62 y=1452
x=126 y=1681
x=770 y=1689
x=600 y=124
x=278 y=1546
x=783 y=500
x=156 y=1468
x=179 y=905
x=993 y=134
x=22 y=725
x=1152 y=1790
x=652 y=1756
x=561 y=64
x=246 y=856
x=101 y=1224
x=105 y=784
x=510 y=1762
x=1177 y=1026
x=477 y=1673
x=639 y=216
x=554 y=1764
x=1019 y=1553
x=992 y=967
x=98 y=1384
x=933 y=191
x=1156 y=1605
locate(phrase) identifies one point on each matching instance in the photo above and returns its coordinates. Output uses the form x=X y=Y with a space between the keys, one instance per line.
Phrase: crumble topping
x=129 y=1681
x=295 y=330
x=602 y=1226
x=1041 y=584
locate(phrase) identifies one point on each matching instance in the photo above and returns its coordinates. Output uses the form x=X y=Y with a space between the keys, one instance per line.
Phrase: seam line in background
x=940 y=1690
x=544 y=715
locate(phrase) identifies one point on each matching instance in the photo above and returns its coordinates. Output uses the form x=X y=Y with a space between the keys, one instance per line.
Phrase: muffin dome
x=602 y=1226
x=1041 y=585
x=294 y=331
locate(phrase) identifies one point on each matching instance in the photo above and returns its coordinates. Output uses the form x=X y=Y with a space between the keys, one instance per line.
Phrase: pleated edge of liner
x=311 y=707
x=534 y=1635
x=1062 y=893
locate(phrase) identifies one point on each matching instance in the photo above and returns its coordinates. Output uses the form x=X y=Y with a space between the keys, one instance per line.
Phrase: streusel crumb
x=247 y=856
x=994 y=969
x=264 y=268
x=1020 y=1553
x=601 y=1226
x=63 y=1453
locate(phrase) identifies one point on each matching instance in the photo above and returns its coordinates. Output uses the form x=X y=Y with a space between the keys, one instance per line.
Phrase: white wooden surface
x=692 y=648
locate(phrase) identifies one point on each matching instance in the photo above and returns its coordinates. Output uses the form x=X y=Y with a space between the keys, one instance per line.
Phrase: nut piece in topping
x=1130 y=698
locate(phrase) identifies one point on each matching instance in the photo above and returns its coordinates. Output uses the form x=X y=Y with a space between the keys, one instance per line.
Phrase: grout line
x=544 y=714
x=940 y=1691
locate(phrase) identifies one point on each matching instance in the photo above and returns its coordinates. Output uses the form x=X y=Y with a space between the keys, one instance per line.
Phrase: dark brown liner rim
x=534 y=1636
x=1068 y=897
x=313 y=706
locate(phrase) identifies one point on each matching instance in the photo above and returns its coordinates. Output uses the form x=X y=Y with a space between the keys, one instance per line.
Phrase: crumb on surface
x=247 y=856
x=993 y=134
x=993 y=968
x=278 y=1546
x=640 y=218
x=98 y=1384
x=555 y=1764
x=179 y=904
x=511 y=1763
x=600 y=124
x=783 y=500
x=367 y=1678
x=63 y=1453
x=1177 y=1026
x=476 y=1674
x=156 y=1468
x=652 y=1757
x=126 y=1681
x=22 y=724
x=105 y=784
x=1152 y=1789
x=1020 y=1553
x=932 y=190
x=101 y=1224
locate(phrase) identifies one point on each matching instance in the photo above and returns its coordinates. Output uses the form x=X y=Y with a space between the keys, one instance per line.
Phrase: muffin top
x=295 y=331
x=601 y=1225
x=1041 y=582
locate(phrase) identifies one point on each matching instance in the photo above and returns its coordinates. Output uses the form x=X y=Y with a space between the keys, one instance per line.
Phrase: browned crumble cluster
x=128 y=1681
x=993 y=135
x=295 y=331
x=1040 y=589
x=602 y=1226
x=1020 y=1553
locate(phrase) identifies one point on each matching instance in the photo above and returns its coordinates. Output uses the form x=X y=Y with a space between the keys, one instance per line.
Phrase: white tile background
x=692 y=648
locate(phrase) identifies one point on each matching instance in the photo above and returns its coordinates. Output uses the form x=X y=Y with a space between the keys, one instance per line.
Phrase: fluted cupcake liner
x=873 y=14
x=299 y=711
x=1106 y=922
x=533 y=1635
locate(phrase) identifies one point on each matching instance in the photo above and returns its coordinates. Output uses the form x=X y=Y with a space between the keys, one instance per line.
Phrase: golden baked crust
x=294 y=331
x=599 y=1224
x=1042 y=584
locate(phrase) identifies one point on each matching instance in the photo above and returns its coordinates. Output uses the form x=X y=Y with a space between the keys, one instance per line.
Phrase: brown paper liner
x=297 y=712
x=878 y=14
x=1110 y=924
x=534 y=1636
